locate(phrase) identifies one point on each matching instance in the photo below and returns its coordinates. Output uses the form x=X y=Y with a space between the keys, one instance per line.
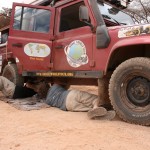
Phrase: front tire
x=11 y=72
x=129 y=90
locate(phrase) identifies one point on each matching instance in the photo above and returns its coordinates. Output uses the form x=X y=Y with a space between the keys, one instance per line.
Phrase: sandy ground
x=53 y=129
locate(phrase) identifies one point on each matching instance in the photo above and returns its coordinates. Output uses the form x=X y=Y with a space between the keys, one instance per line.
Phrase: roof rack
x=122 y=4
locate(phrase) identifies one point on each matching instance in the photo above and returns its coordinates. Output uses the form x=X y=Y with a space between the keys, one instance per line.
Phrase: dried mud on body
x=53 y=129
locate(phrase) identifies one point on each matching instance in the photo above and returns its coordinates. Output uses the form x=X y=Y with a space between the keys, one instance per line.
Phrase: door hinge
x=51 y=65
x=92 y=63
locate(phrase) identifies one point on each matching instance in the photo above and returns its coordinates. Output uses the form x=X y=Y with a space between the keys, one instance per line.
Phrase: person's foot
x=97 y=112
x=110 y=115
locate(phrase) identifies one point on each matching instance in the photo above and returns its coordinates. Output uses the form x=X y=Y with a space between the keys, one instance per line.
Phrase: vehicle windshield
x=115 y=15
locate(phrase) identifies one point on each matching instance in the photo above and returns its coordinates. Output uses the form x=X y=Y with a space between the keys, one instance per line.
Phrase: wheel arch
x=121 y=54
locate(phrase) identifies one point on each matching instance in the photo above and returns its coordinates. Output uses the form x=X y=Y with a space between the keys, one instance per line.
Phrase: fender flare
x=127 y=42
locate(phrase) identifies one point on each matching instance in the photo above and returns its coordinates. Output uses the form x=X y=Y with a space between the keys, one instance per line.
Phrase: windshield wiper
x=109 y=17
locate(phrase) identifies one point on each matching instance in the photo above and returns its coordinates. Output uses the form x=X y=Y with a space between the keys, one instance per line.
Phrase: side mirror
x=83 y=14
x=102 y=37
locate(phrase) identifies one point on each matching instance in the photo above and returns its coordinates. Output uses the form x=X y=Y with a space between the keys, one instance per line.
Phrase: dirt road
x=53 y=129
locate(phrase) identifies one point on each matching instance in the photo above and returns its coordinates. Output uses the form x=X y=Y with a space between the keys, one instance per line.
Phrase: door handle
x=59 y=47
x=17 y=45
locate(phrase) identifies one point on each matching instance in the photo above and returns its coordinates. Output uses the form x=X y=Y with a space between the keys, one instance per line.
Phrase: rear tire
x=11 y=72
x=129 y=90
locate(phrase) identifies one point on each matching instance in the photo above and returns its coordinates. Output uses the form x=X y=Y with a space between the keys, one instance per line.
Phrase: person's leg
x=86 y=99
x=100 y=110
x=83 y=101
x=73 y=103
x=7 y=87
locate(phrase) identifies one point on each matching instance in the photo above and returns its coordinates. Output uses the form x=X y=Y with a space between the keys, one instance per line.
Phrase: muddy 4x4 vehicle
x=83 y=42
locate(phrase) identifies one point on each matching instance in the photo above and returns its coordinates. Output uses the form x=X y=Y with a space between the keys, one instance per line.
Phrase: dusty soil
x=53 y=129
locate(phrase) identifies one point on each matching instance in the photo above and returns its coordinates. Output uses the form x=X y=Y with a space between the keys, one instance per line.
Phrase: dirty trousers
x=7 y=87
x=80 y=101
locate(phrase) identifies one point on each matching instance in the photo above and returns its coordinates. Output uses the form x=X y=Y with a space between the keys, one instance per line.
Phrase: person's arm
x=41 y=88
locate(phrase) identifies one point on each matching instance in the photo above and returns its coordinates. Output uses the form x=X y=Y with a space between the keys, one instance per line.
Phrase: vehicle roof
x=47 y=2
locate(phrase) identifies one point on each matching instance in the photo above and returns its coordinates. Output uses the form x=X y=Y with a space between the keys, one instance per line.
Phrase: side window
x=70 y=18
x=31 y=19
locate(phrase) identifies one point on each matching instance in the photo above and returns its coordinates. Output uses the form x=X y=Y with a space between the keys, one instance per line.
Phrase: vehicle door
x=73 y=39
x=31 y=34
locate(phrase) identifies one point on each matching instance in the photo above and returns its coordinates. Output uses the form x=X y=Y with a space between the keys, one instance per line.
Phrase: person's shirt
x=56 y=97
x=23 y=92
